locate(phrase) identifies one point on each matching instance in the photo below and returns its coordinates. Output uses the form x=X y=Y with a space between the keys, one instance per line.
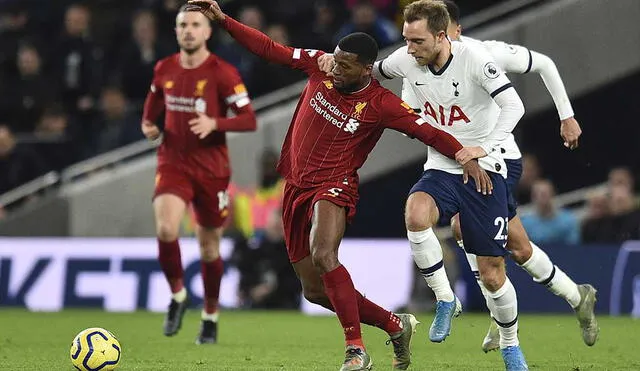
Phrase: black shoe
x=173 y=320
x=208 y=333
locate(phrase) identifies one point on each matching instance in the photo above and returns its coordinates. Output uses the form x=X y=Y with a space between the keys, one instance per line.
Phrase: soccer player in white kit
x=465 y=93
x=518 y=59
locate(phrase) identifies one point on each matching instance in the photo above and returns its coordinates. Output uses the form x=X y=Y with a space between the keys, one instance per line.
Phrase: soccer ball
x=95 y=349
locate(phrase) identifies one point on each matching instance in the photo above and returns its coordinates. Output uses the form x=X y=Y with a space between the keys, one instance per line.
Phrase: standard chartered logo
x=331 y=113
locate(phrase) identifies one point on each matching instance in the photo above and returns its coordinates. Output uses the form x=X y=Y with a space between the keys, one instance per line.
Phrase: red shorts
x=297 y=210
x=207 y=194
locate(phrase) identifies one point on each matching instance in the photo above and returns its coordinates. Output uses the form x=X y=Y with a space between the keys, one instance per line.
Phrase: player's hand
x=203 y=125
x=570 y=132
x=467 y=154
x=326 y=63
x=209 y=8
x=482 y=179
x=150 y=130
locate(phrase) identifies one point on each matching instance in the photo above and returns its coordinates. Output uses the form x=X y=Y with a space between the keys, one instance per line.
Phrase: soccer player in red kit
x=195 y=88
x=335 y=126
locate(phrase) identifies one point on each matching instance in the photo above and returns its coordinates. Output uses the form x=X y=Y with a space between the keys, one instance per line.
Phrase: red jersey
x=332 y=133
x=212 y=88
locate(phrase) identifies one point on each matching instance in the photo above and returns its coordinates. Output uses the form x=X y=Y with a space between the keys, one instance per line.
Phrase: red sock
x=374 y=315
x=342 y=294
x=211 y=277
x=171 y=264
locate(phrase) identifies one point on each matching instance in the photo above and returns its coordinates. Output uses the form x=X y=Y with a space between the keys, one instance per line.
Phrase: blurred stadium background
x=76 y=176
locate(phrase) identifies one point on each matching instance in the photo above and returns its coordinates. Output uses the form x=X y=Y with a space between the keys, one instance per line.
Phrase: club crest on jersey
x=491 y=70
x=200 y=85
x=168 y=84
x=455 y=86
x=328 y=84
x=358 y=110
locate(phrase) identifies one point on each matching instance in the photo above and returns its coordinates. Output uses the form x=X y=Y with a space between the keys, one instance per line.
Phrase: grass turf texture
x=292 y=341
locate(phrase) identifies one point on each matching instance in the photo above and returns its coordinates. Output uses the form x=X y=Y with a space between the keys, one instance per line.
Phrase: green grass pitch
x=292 y=341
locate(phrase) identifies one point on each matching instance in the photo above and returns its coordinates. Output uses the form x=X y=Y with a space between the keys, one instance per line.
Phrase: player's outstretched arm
x=570 y=130
x=255 y=41
x=520 y=60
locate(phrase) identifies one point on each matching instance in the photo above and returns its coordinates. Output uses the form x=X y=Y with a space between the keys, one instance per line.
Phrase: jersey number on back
x=444 y=117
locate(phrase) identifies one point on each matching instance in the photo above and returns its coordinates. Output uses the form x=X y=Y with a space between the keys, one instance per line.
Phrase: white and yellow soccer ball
x=95 y=349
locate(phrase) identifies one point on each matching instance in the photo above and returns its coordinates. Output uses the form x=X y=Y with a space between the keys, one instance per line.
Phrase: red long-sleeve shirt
x=212 y=88
x=331 y=133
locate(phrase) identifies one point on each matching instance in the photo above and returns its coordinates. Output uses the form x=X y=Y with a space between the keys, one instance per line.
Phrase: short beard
x=192 y=51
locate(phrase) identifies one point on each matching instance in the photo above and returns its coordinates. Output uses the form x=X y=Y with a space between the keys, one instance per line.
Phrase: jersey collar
x=446 y=65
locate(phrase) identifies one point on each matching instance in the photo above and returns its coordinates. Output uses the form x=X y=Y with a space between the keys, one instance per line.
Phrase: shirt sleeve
x=261 y=45
x=154 y=102
x=391 y=66
x=511 y=58
x=236 y=98
x=518 y=59
x=490 y=76
x=398 y=115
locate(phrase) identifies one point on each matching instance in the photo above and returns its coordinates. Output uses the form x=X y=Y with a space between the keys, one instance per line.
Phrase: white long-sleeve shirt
x=469 y=97
x=520 y=60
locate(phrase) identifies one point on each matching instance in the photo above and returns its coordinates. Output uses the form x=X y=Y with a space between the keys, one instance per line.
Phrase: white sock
x=503 y=305
x=180 y=296
x=427 y=253
x=210 y=317
x=473 y=264
x=540 y=267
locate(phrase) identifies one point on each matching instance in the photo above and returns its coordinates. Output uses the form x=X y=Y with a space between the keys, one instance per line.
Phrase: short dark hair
x=453 y=9
x=361 y=44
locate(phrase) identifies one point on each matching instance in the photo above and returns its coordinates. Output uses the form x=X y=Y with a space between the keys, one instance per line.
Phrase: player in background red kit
x=195 y=88
x=335 y=126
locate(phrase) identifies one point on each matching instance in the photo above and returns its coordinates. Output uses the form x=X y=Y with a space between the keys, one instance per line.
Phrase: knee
x=492 y=279
x=166 y=232
x=209 y=242
x=455 y=227
x=417 y=216
x=209 y=252
x=324 y=259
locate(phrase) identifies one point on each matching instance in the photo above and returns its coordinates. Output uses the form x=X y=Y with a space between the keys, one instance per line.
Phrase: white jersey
x=520 y=60
x=457 y=99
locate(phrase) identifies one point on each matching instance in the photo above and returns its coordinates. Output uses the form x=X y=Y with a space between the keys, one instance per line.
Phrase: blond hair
x=433 y=11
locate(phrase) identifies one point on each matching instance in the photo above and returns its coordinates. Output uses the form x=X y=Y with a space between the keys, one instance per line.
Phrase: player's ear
x=441 y=35
x=368 y=70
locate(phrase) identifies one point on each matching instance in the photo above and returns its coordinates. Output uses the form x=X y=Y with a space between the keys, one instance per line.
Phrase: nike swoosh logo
x=420 y=84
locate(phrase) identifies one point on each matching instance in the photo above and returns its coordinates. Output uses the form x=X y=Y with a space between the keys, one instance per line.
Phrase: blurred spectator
x=139 y=57
x=25 y=94
x=386 y=7
x=55 y=142
x=326 y=24
x=273 y=76
x=267 y=279
x=18 y=163
x=364 y=18
x=549 y=224
x=116 y=126
x=621 y=176
x=13 y=29
x=166 y=11
x=615 y=216
x=531 y=173
x=76 y=62
x=251 y=208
